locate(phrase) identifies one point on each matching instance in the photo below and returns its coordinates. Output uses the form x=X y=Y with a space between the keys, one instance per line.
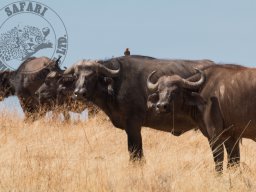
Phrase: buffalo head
x=56 y=87
x=6 y=87
x=174 y=89
x=91 y=76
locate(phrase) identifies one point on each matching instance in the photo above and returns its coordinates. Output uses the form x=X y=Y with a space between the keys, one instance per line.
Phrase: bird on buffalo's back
x=127 y=52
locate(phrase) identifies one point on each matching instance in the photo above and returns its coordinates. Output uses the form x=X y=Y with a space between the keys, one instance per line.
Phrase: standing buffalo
x=126 y=106
x=56 y=94
x=222 y=103
x=24 y=81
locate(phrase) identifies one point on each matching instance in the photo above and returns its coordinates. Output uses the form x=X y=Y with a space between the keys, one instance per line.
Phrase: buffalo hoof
x=233 y=165
x=137 y=162
x=219 y=168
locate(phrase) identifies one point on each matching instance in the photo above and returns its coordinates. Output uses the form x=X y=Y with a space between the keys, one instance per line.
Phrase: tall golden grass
x=92 y=156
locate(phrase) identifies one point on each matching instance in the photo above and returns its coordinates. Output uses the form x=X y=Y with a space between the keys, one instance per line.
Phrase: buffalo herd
x=134 y=91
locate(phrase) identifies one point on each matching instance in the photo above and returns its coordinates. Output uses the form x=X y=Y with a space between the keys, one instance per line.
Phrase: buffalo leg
x=233 y=151
x=66 y=116
x=218 y=155
x=29 y=105
x=33 y=116
x=214 y=126
x=31 y=113
x=134 y=141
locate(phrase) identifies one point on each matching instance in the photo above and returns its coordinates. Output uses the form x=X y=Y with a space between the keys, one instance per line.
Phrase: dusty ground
x=92 y=156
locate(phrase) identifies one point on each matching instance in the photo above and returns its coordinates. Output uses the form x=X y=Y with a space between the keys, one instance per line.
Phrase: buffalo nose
x=76 y=94
x=79 y=93
x=162 y=106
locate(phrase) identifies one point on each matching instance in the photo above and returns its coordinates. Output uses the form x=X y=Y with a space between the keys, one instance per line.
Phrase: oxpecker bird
x=127 y=52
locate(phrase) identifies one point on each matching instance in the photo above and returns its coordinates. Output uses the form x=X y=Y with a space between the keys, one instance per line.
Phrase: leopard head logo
x=21 y=43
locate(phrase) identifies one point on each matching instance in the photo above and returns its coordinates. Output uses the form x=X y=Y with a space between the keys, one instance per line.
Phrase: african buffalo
x=24 y=81
x=127 y=105
x=222 y=104
x=56 y=94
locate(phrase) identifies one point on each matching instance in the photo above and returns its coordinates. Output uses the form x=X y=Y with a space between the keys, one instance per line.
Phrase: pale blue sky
x=220 y=30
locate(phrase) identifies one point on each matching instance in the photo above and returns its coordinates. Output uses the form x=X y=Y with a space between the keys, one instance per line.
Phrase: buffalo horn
x=152 y=86
x=107 y=71
x=194 y=85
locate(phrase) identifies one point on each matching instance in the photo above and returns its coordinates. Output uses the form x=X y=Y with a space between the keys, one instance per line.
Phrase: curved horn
x=58 y=60
x=107 y=71
x=52 y=74
x=69 y=70
x=194 y=85
x=151 y=86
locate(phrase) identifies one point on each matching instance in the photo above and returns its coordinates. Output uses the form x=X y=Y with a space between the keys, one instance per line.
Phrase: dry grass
x=92 y=156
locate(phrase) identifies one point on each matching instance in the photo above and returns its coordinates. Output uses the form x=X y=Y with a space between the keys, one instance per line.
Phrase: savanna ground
x=92 y=156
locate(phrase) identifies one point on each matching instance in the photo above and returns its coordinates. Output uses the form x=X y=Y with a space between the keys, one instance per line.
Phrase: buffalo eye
x=75 y=76
x=153 y=97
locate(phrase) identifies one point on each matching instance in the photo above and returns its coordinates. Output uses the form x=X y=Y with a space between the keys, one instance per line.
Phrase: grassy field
x=92 y=156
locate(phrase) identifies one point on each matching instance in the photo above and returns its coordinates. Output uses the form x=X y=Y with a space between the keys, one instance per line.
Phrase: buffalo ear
x=195 y=99
x=110 y=83
x=4 y=77
x=5 y=74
